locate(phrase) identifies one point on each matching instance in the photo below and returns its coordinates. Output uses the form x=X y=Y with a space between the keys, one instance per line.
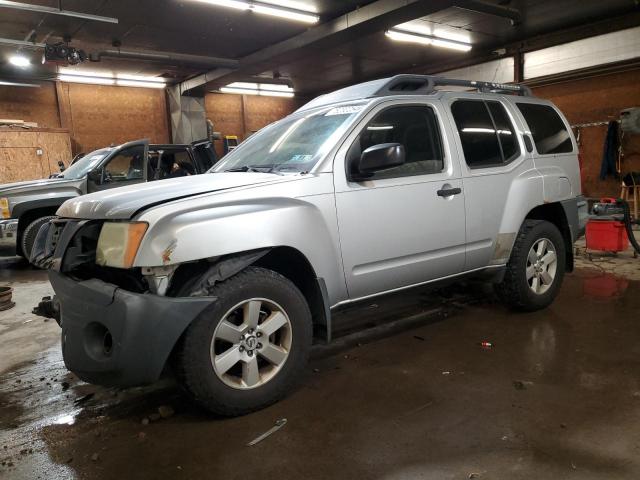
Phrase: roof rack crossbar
x=426 y=84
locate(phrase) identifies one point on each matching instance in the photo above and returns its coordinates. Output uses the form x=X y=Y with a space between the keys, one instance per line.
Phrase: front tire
x=536 y=268
x=249 y=349
x=30 y=233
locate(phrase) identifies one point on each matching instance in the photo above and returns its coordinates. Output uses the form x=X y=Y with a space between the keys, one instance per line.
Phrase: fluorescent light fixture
x=107 y=78
x=382 y=127
x=134 y=83
x=86 y=79
x=263 y=89
x=19 y=61
x=7 y=83
x=424 y=39
x=286 y=9
x=140 y=78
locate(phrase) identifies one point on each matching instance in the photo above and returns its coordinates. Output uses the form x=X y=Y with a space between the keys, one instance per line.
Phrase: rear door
x=125 y=166
x=494 y=162
x=204 y=155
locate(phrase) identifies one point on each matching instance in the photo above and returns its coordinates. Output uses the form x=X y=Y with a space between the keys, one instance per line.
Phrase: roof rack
x=426 y=84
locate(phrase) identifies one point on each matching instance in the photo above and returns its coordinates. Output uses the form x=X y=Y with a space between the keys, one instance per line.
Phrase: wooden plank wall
x=95 y=115
x=242 y=115
x=100 y=115
x=31 y=104
x=598 y=99
x=32 y=154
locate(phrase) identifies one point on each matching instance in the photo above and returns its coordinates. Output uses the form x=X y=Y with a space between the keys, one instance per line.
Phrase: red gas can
x=607 y=235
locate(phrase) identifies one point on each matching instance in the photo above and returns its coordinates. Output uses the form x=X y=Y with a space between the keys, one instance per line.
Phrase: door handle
x=448 y=192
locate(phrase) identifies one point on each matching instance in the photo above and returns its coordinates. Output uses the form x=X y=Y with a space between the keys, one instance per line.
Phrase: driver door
x=405 y=225
x=125 y=166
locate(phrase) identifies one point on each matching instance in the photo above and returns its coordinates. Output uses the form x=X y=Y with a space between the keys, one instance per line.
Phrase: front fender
x=307 y=225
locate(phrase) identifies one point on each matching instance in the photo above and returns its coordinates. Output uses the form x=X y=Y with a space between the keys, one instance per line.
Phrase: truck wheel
x=30 y=233
x=536 y=267
x=249 y=349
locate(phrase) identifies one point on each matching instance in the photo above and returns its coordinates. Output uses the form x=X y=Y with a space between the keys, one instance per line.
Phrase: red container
x=607 y=235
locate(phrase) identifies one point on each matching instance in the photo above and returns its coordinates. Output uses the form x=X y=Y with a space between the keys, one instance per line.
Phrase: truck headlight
x=119 y=243
x=4 y=208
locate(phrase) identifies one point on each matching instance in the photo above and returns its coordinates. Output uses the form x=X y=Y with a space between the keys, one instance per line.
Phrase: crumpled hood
x=124 y=202
x=19 y=187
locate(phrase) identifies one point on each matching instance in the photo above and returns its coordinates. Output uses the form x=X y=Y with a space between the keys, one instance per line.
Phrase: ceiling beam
x=372 y=18
x=55 y=11
x=480 y=6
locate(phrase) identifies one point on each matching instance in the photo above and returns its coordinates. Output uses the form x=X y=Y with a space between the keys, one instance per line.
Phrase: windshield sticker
x=344 y=110
x=300 y=159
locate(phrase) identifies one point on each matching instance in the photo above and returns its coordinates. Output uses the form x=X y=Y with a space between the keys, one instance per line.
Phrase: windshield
x=293 y=145
x=85 y=164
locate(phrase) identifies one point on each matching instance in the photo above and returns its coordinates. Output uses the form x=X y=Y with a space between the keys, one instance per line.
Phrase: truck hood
x=125 y=202
x=30 y=185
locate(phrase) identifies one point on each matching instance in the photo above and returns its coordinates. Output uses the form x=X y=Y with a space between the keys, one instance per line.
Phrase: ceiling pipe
x=55 y=11
x=21 y=43
x=166 y=57
x=481 y=6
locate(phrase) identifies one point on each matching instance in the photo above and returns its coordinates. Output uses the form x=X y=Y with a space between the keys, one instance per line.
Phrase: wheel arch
x=555 y=213
x=287 y=261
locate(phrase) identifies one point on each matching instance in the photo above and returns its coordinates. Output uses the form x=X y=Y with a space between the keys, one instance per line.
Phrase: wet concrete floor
x=558 y=396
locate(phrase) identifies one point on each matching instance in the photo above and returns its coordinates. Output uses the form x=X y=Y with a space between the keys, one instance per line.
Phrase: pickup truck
x=26 y=206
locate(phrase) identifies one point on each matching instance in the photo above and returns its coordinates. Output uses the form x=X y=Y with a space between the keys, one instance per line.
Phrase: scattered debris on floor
x=279 y=424
x=521 y=385
x=166 y=411
x=5 y=298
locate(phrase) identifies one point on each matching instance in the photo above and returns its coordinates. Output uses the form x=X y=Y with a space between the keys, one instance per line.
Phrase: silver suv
x=228 y=277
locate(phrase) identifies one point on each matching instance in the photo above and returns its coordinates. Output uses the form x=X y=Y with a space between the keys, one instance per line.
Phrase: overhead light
x=107 y=78
x=87 y=79
x=289 y=10
x=6 y=83
x=263 y=89
x=19 y=61
x=425 y=39
x=133 y=83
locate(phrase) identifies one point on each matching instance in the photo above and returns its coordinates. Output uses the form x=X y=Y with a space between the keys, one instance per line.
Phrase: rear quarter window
x=547 y=128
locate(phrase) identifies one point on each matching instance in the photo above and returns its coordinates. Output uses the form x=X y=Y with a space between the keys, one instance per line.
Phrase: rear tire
x=30 y=233
x=263 y=365
x=536 y=268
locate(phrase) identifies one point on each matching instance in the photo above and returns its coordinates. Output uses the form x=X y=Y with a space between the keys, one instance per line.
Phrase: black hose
x=627 y=224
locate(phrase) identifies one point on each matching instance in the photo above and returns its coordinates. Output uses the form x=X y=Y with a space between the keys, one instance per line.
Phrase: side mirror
x=380 y=157
x=95 y=176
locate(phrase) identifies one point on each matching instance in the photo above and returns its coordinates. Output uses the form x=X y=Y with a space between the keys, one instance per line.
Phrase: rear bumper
x=118 y=338
x=577 y=213
x=8 y=237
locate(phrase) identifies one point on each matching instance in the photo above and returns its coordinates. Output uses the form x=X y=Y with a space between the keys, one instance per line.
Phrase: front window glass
x=292 y=145
x=126 y=165
x=416 y=128
x=85 y=164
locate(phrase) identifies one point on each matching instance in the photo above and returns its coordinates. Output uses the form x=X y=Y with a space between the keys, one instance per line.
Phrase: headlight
x=119 y=243
x=4 y=208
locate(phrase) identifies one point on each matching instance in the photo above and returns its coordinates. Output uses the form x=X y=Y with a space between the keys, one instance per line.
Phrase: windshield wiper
x=254 y=168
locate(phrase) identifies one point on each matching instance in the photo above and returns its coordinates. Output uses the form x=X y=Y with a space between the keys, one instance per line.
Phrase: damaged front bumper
x=118 y=338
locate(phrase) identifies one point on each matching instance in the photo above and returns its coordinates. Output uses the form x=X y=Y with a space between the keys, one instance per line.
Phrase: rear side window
x=547 y=128
x=486 y=133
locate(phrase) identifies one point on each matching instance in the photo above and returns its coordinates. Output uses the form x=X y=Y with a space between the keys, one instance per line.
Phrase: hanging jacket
x=610 y=151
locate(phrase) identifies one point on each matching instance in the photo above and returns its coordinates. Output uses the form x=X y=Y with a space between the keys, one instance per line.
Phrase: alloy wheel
x=251 y=343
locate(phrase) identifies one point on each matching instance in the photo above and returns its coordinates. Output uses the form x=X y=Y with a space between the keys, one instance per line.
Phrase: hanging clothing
x=610 y=151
